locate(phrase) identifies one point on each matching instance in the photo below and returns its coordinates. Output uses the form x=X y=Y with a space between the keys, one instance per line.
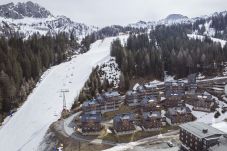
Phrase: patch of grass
x=143 y=134
x=109 y=137
x=122 y=109
x=137 y=135
x=129 y=137
x=167 y=128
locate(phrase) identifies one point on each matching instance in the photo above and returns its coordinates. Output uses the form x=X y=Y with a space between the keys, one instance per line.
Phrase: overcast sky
x=108 y=12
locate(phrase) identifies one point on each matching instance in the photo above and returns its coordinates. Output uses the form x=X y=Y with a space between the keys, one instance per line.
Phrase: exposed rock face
x=176 y=17
x=21 y=10
x=28 y=18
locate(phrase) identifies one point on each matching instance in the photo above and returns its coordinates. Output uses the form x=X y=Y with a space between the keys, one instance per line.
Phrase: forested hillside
x=23 y=61
x=167 y=48
x=108 y=31
x=215 y=24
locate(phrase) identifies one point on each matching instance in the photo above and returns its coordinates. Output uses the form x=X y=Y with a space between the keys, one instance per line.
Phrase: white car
x=170 y=144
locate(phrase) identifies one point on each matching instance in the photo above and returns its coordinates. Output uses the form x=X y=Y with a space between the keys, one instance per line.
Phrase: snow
x=218 y=89
x=209 y=31
x=208 y=117
x=221 y=126
x=110 y=71
x=108 y=131
x=29 y=25
x=152 y=84
x=200 y=77
x=26 y=129
x=135 y=86
x=168 y=78
x=60 y=149
x=123 y=146
x=200 y=37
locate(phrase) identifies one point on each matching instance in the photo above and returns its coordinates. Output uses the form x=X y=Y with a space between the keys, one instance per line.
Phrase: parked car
x=170 y=144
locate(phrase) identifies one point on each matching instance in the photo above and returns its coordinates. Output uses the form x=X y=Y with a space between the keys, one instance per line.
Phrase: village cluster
x=152 y=106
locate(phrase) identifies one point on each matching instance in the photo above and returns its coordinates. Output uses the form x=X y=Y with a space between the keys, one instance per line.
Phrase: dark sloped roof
x=111 y=94
x=154 y=114
x=124 y=116
x=86 y=117
x=89 y=102
x=148 y=99
x=196 y=128
x=175 y=110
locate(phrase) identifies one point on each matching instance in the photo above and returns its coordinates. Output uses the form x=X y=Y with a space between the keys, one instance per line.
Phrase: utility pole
x=63 y=91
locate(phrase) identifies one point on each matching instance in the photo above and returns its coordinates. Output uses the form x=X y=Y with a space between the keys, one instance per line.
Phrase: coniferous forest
x=217 y=22
x=23 y=61
x=167 y=48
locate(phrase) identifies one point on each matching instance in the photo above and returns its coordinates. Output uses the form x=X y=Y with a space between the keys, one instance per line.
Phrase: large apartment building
x=91 y=124
x=196 y=136
x=152 y=121
x=124 y=123
x=106 y=102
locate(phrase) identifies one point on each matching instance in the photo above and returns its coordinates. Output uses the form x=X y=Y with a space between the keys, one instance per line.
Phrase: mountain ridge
x=29 y=18
x=23 y=9
x=172 y=19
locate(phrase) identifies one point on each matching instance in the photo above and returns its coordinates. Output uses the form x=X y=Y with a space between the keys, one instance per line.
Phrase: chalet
x=151 y=121
x=133 y=98
x=173 y=87
x=91 y=106
x=149 y=103
x=91 y=124
x=204 y=103
x=148 y=89
x=174 y=93
x=178 y=115
x=106 y=102
x=109 y=101
x=173 y=99
x=191 y=85
x=124 y=124
x=152 y=89
x=196 y=136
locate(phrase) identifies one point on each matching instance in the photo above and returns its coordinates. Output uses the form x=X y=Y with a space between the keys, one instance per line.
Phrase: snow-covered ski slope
x=26 y=129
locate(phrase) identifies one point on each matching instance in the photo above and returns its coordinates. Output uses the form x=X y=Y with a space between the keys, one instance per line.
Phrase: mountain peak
x=175 y=17
x=21 y=10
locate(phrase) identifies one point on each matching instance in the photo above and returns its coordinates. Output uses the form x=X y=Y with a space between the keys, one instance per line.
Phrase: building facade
x=149 y=103
x=179 y=115
x=196 y=136
x=124 y=124
x=152 y=121
x=106 y=102
x=91 y=124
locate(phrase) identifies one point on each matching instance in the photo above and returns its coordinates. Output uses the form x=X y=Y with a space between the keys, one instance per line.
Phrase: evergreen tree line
x=93 y=86
x=23 y=61
x=108 y=31
x=167 y=49
x=218 y=23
